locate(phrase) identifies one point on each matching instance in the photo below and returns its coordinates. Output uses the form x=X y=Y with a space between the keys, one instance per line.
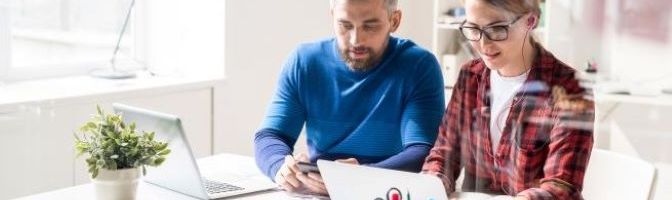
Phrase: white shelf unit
x=447 y=39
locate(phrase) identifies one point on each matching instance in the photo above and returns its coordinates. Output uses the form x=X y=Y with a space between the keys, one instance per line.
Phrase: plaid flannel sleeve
x=569 y=149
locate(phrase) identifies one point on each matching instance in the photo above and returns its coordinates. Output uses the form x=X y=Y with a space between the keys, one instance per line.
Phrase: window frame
x=9 y=73
x=5 y=38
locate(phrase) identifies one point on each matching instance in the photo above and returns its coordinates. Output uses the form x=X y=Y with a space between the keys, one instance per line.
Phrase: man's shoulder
x=408 y=58
x=410 y=50
x=319 y=47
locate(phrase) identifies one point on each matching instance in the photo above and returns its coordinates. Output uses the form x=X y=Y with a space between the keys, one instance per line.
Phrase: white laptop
x=347 y=182
x=180 y=171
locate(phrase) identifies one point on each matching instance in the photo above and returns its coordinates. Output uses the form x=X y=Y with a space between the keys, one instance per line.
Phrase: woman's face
x=501 y=25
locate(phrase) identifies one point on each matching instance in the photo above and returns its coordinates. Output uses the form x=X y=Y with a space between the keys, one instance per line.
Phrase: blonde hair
x=517 y=7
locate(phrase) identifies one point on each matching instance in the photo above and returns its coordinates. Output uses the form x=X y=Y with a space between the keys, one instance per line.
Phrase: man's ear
x=395 y=20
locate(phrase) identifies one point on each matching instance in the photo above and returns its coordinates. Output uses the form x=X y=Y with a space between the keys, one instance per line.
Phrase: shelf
x=445 y=26
x=448 y=21
x=52 y=92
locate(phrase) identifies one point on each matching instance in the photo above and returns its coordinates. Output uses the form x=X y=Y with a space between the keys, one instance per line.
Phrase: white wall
x=416 y=22
x=259 y=35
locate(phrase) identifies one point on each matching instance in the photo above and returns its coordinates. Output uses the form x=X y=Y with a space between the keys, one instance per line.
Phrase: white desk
x=658 y=100
x=148 y=191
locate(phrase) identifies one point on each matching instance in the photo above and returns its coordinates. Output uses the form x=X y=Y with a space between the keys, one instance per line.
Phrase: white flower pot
x=117 y=184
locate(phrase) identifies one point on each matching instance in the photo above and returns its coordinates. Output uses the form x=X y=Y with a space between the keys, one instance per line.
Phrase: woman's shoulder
x=557 y=73
x=473 y=67
x=549 y=62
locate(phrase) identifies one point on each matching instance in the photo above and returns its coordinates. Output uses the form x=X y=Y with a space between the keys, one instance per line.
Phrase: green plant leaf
x=94 y=173
x=164 y=152
x=110 y=144
x=112 y=165
x=100 y=111
x=161 y=146
x=158 y=161
x=151 y=136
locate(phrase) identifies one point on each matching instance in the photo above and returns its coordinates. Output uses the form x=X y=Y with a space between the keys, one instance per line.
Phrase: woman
x=517 y=121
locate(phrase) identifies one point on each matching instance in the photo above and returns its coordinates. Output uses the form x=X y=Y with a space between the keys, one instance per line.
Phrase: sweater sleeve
x=423 y=111
x=270 y=149
x=410 y=159
x=283 y=122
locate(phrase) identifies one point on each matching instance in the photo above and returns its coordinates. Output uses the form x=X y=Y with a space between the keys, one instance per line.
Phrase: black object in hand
x=307 y=167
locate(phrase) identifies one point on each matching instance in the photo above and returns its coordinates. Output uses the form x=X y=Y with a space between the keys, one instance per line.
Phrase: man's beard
x=360 y=65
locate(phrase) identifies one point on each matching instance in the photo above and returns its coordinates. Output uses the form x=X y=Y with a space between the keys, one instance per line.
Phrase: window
x=46 y=38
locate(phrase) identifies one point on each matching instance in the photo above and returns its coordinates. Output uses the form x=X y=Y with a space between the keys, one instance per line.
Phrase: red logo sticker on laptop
x=395 y=194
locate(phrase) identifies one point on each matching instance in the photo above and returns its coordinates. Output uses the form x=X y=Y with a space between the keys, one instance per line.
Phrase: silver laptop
x=347 y=182
x=180 y=171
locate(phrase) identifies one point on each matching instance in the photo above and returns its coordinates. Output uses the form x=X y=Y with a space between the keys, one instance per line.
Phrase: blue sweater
x=387 y=116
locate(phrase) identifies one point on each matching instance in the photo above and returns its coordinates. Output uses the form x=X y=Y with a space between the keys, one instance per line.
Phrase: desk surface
x=152 y=192
x=148 y=191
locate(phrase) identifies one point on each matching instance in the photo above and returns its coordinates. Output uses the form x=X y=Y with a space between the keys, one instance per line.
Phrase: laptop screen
x=179 y=172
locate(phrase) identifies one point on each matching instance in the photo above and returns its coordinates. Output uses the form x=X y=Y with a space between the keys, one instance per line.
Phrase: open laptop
x=347 y=182
x=180 y=171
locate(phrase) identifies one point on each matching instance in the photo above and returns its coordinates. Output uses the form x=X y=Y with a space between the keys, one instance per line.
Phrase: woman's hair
x=517 y=7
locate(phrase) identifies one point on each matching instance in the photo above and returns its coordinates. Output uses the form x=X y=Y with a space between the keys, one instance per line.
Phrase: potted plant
x=117 y=153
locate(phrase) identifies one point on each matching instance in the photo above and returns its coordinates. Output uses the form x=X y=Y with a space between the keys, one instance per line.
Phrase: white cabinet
x=35 y=155
x=451 y=49
x=37 y=138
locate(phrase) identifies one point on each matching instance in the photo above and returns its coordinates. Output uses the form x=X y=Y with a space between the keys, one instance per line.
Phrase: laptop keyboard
x=214 y=187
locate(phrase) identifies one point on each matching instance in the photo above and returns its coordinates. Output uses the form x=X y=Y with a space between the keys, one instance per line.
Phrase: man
x=365 y=98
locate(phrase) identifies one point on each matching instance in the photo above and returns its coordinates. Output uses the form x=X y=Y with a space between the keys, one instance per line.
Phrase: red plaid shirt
x=545 y=145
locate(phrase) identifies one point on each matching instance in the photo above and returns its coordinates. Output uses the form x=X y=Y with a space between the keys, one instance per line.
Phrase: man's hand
x=311 y=181
x=290 y=178
x=286 y=176
x=349 y=161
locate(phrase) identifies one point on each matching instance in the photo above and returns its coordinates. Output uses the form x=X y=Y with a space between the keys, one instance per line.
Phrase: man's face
x=362 y=31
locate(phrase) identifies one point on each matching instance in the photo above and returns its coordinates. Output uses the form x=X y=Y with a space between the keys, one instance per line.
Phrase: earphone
x=531 y=21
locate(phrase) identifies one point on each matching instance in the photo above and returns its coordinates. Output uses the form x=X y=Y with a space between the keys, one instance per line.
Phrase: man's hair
x=390 y=5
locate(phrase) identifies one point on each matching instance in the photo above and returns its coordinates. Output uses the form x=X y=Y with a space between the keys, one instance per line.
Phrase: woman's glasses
x=493 y=33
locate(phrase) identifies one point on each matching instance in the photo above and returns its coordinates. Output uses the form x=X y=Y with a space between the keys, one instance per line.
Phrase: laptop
x=180 y=172
x=347 y=182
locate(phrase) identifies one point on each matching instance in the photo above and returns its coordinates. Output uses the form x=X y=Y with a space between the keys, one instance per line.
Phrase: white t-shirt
x=502 y=90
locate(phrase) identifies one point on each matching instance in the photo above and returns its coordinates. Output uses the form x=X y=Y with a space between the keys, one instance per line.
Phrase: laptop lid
x=179 y=172
x=347 y=181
